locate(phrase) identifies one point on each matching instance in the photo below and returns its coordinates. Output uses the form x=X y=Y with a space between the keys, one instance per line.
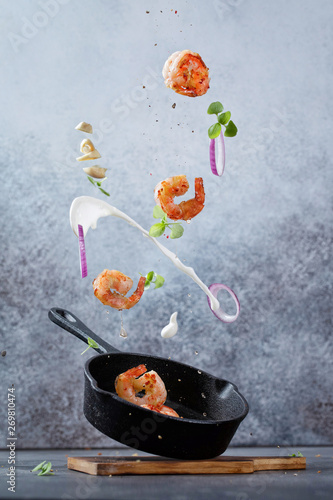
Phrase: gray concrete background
x=265 y=231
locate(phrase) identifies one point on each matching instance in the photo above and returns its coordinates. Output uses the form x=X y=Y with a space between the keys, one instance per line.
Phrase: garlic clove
x=86 y=146
x=95 y=171
x=84 y=127
x=93 y=155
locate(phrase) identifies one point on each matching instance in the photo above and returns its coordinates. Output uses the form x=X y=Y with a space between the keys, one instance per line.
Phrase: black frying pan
x=212 y=408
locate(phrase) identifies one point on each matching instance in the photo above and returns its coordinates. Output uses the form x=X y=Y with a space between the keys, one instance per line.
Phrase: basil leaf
x=214 y=131
x=157 y=230
x=158 y=212
x=39 y=466
x=223 y=118
x=150 y=275
x=92 y=343
x=214 y=108
x=176 y=231
x=231 y=129
x=159 y=281
x=104 y=192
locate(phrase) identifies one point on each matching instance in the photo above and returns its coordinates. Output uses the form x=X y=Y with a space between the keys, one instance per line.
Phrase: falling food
x=86 y=146
x=92 y=155
x=186 y=73
x=84 y=127
x=95 y=171
x=171 y=329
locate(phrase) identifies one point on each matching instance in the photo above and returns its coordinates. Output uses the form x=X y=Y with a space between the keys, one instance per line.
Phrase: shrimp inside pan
x=114 y=280
x=178 y=185
x=166 y=410
x=186 y=73
x=137 y=380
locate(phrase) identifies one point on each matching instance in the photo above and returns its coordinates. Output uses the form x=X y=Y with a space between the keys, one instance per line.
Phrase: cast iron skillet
x=212 y=408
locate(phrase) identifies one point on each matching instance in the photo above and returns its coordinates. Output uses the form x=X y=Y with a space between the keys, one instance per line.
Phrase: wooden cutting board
x=106 y=466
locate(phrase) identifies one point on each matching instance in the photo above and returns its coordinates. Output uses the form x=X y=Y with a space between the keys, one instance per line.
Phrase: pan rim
x=93 y=383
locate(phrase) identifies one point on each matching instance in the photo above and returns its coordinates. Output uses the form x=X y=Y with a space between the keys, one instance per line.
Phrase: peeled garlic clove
x=84 y=127
x=93 y=155
x=96 y=172
x=86 y=146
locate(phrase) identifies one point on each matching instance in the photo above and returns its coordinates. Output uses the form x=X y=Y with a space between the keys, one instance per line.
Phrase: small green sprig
x=98 y=184
x=153 y=277
x=299 y=454
x=91 y=343
x=223 y=118
x=44 y=469
x=158 y=229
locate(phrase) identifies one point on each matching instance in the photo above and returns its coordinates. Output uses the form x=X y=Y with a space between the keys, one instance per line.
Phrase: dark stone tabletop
x=314 y=482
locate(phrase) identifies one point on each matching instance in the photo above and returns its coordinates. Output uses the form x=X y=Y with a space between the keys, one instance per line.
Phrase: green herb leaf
x=214 y=108
x=159 y=281
x=104 y=192
x=91 y=180
x=150 y=275
x=92 y=343
x=231 y=129
x=223 y=118
x=147 y=284
x=214 y=131
x=39 y=466
x=158 y=212
x=176 y=231
x=157 y=230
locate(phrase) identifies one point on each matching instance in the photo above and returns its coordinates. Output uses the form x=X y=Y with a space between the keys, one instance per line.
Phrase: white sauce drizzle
x=172 y=328
x=86 y=210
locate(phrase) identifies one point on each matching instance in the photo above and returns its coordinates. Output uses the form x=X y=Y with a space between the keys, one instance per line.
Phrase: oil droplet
x=123 y=333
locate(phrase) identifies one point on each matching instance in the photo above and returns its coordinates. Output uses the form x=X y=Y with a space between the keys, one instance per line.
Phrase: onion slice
x=220 y=314
x=82 y=248
x=217 y=167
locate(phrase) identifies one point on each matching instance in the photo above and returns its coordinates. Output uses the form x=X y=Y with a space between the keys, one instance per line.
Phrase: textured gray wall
x=265 y=231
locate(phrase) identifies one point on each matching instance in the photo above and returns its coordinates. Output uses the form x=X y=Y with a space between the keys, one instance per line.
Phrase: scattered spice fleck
x=318 y=455
x=155 y=44
x=138 y=460
x=175 y=12
x=295 y=474
x=159 y=437
x=174 y=105
x=203 y=395
x=135 y=454
x=99 y=453
x=110 y=475
x=179 y=380
x=143 y=86
x=196 y=353
x=319 y=472
x=3 y=353
x=147 y=11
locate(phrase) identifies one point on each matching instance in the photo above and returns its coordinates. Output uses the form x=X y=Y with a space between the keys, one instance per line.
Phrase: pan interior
x=194 y=394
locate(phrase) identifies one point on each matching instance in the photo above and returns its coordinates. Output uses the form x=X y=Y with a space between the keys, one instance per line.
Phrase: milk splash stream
x=86 y=210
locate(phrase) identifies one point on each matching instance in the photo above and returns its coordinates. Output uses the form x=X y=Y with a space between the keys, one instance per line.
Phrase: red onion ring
x=220 y=314
x=82 y=248
x=217 y=167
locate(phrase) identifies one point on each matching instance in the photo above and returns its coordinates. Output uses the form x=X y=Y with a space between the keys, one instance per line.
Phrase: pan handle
x=68 y=321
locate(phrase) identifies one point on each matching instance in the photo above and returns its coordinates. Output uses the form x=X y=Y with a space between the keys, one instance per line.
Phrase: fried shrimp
x=137 y=380
x=120 y=284
x=166 y=410
x=186 y=73
x=165 y=192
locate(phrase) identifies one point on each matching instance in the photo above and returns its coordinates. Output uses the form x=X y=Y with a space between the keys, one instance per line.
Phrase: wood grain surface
x=105 y=466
